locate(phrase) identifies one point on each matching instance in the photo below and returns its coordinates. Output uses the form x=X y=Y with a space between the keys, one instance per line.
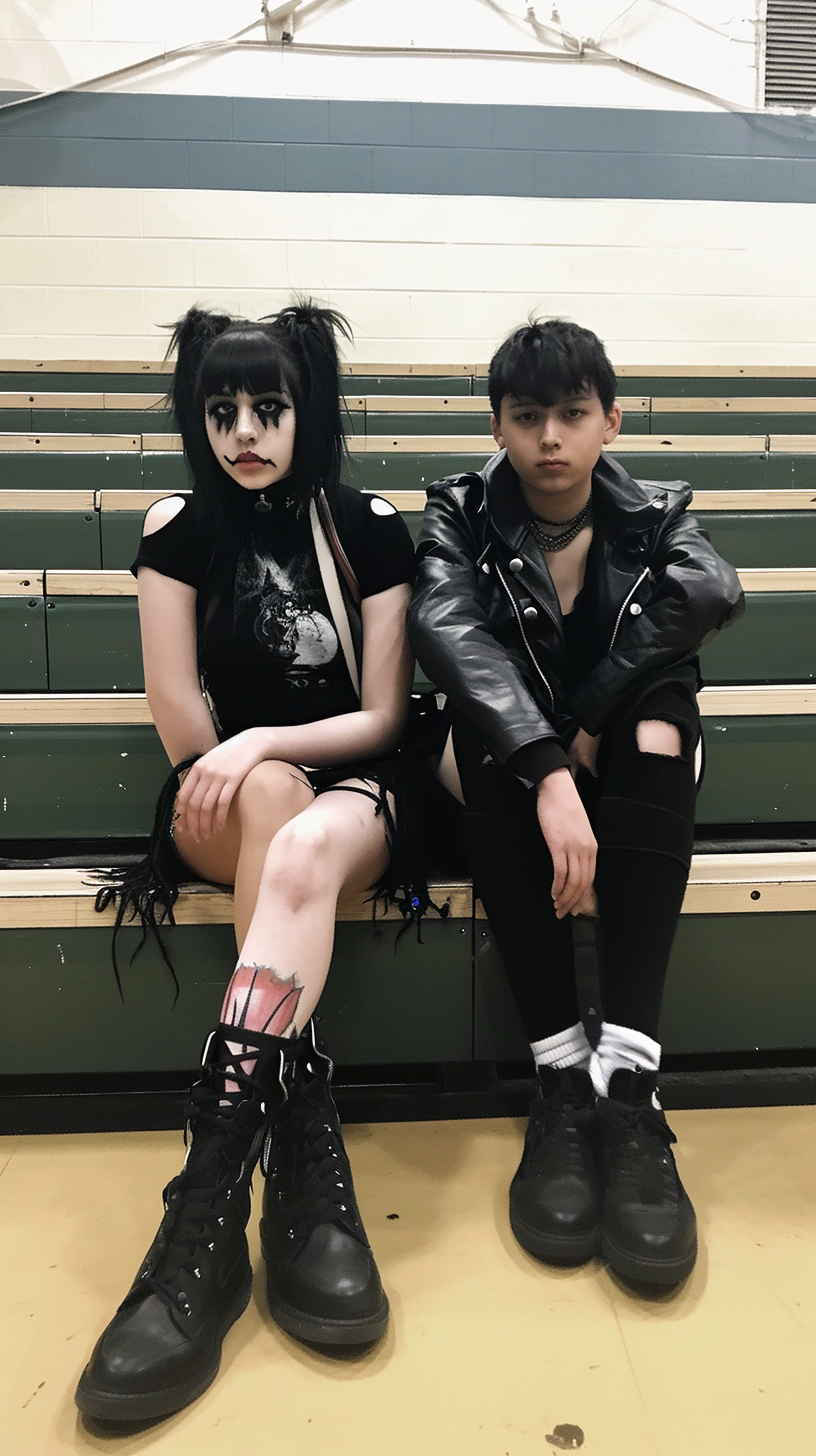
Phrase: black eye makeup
x=222 y=413
x=267 y=408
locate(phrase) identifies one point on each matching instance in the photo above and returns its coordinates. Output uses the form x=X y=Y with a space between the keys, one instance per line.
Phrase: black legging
x=642 y=810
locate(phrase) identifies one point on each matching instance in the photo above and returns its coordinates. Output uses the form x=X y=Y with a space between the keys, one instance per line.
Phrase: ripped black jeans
x=641 y=807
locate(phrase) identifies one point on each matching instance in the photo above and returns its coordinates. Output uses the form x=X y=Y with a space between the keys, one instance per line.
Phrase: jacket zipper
x=627 y=599
x=524 y=639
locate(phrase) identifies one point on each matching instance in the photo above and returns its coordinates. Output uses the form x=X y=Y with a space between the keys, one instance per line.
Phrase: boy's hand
x=583 y=752
x=567 y=830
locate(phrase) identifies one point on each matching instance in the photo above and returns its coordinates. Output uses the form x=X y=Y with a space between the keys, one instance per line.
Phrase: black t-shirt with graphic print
x=268 y=649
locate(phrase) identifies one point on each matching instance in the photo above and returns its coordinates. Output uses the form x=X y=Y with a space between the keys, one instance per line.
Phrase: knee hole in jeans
x=655 y=736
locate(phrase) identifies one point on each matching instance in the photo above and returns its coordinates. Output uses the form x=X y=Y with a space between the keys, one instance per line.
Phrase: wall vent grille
x=790 y=53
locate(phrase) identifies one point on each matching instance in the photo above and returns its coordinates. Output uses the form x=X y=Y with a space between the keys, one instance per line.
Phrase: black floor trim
x=102 y=1103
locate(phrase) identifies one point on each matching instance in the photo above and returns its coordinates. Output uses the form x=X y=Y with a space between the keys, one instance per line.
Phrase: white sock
x=621 y=1046
x=568 y=1048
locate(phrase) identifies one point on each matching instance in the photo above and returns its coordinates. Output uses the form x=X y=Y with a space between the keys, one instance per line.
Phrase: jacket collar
x=626 y=507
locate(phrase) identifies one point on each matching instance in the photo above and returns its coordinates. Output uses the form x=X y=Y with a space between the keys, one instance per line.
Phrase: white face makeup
x=252 y=436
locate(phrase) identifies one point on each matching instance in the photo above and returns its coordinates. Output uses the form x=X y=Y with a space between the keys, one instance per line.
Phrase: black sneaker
x=649 y=1228
x=322 y=1281
x=556 y=1195
x=163 y=1346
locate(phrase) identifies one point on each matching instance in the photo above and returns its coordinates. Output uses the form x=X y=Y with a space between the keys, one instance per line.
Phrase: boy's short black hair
x=545 y=361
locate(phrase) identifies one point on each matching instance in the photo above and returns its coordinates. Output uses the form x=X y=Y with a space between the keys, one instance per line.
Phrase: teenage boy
x=560 y=604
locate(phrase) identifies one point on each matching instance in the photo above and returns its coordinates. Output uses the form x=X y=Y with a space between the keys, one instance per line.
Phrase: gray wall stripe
x=92 y=140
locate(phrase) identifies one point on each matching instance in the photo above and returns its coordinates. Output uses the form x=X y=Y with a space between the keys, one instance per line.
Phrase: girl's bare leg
x=338 y=843
x=271 y=795
x=289 y=855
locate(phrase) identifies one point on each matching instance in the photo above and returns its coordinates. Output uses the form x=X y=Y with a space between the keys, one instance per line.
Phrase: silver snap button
x=659 y=505
x=635 y=609
x=530 y=613
x=516 y=565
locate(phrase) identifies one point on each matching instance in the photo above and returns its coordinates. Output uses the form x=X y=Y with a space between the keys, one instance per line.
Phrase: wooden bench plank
x=718 y=885
x=111 y=708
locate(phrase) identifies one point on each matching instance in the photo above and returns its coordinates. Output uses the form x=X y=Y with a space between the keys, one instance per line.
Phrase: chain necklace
x=547 y=542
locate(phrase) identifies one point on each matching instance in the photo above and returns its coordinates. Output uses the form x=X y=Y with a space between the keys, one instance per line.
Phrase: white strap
x=331 y=586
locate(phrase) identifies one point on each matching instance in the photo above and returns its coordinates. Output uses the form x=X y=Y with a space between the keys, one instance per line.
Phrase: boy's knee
x=655 y=736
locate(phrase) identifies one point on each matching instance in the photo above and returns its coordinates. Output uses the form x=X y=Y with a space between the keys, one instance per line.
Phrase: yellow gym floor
x=488 y=1353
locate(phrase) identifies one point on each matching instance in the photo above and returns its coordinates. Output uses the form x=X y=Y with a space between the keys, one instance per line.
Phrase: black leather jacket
x=485 y=622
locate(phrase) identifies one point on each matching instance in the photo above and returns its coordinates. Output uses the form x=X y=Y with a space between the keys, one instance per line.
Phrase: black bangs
x=546 y=361
x=247 y=357
x=294 y=353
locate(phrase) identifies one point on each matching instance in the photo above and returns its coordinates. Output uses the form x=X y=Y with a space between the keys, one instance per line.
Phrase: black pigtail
x=310 y=334
x=191 y=338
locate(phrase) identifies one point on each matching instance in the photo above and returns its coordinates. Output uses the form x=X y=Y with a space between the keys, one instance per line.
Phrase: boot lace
x=639 y=1151
x=223 y=1133
x=559 y=1134
x=322 y=1192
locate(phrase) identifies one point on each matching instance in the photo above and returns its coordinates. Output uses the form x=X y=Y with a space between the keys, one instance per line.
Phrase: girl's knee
x=655 y=736
x=272 y=790
x=299 y=867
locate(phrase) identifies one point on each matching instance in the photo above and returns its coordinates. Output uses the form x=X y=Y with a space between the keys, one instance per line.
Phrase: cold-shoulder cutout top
x=268 y=649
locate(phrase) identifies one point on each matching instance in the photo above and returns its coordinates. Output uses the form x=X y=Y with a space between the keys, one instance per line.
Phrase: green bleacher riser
x=760 y=422
x=774 y=642
x=81 y=470
x=736 y=983
x=740 y=977
x=96 y=775
x=120 y=533
x=760 y=538
x=407 y=384
x=684 y=381
x=79 y=782
x=79 y=530
x=422 y=424
x=754 y=539
x=404 y=462
x=99 y=422
x=378 y=422
x=23 y=653
x=78 y=377
x=363 y=416
x=54 y=528
x=374 y=1009
x=93 y=643
x=692 y=385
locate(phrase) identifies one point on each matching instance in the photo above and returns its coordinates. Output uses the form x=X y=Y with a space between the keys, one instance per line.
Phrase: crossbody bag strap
x=341 y=560
x=329 y=566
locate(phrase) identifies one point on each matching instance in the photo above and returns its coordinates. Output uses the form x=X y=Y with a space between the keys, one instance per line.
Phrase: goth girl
x=272 y=605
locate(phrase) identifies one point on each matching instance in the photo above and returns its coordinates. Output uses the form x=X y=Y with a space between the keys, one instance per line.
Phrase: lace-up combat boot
x=556 y=1194
x=649 y=1228
x=163 y=1346
x=322 y=1281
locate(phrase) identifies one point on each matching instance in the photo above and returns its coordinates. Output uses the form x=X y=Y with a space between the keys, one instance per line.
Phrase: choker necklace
x=262 y=506
x=547 y=542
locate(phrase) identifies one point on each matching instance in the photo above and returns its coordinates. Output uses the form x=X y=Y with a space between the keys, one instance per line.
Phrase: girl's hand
x=567 y=830
x=210 y=785
x=583 y=752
